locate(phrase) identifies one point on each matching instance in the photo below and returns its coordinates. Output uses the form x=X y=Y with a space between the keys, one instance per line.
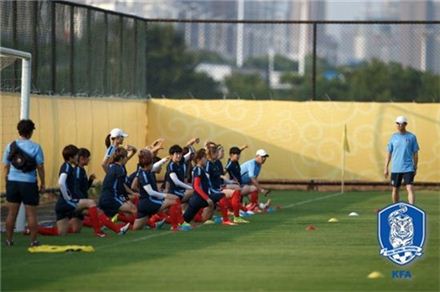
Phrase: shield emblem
x=401 y=230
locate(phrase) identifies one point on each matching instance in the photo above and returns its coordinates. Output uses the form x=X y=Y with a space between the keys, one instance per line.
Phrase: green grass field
x=274 y=252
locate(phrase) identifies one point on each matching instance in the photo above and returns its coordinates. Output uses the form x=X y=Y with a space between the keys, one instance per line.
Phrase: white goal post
x=26 y=67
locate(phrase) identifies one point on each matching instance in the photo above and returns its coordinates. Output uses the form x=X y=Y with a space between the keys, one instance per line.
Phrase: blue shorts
x=178 y=193
x=147 y=207
x=17 y=192
x=110 y=206
x=65 y=209
x=216 y=196
x=397 y=177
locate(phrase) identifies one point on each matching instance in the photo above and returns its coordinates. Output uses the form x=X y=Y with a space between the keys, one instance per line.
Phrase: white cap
x=116 y=132
x=401 y=120
x=262 y=153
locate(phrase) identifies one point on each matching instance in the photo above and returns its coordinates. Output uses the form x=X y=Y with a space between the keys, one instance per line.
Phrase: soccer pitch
x=274 y=252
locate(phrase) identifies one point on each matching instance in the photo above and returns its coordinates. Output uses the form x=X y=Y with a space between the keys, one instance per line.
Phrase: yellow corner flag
x=345 y=144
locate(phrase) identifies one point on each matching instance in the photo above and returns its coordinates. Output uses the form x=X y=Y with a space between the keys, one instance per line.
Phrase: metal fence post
x=35 y=43
x=14 y=41
x=72 y=51
x=53 y=39
x=89 y=52
x=105 y=53
x=314 y=62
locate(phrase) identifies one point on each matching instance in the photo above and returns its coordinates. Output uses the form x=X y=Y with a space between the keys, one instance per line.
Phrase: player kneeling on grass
x=232 y=197
x=151 y=200
x=113 y=197
x=69 y=202
x=175 y=175
x=204 y=196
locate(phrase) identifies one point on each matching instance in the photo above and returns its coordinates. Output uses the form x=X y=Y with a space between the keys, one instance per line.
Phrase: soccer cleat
x=249 y=212
x=115 y=218
x=229 y=223
x=208 y=222
x=101 y=234
x=185 y=226
x=9 y=242
x=239 y=220
x=124 y=229
x=245 y=214
x=35 y=243
x=160 y=224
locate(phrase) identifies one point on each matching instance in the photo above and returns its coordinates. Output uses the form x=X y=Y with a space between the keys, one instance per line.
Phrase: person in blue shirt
x=250 y=170
x=22 y=186
x=402 y=152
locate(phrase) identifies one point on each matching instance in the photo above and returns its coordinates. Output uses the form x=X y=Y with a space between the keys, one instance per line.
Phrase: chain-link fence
x=80 y=50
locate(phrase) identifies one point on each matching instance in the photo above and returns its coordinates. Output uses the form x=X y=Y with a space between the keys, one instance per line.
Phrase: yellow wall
x=303 y=138
x=82 y=122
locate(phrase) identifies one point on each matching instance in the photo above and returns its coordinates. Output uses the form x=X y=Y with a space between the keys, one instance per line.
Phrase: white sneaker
x=124 y=229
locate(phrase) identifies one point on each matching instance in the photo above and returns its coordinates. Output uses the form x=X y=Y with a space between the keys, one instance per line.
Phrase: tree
x=247 y=86
x=171 y=68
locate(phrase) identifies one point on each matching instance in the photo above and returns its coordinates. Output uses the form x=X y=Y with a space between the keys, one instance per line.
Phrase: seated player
x=114 y=191
x=204 y=197
x=232 y=199
x=151 y=200
x=69 y=203
x=175 y=175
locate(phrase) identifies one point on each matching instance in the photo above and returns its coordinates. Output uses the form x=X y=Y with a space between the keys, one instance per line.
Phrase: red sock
x=126 y=218
x=175 y=212
x=198 y=217
x=223 y=206
x=93 y=214
x=253 y=197
x=235 y=202
x=87 y=222
x=48 y=230
x=104 y=220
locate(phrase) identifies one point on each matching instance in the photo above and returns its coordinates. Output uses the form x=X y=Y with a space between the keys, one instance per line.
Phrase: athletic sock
x=175 y=212
x=235 y=202
x=104 y=220
x=223 y=206
x=93 y=213
x=48 y=230
x=126 y=218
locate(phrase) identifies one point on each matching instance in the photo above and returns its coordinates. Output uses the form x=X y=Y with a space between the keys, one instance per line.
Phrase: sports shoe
x=124 y=229
x=209 y=222
x=229 y=223
x=240 y=220
x=35 y=243
x=245 y=214
x=159 y=224
x=9 y=242
x=185 y=227
x=101 y=234
x=249 y=212
x=115 y=218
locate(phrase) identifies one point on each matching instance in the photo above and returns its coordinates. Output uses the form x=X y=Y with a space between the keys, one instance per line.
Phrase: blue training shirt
x=31 y=148
x=402 y=148
x=249 y=169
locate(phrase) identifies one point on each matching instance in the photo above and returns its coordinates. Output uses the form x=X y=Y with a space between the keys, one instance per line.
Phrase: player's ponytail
x=107 y=141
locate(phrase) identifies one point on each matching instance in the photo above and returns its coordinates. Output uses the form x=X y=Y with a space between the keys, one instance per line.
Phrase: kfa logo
x=401 y=231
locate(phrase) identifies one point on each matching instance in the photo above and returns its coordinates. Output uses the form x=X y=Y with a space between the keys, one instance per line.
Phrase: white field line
x=170 y=232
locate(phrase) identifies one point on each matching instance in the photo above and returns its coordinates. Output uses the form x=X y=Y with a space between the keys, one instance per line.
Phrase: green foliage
x=171 y=69
x=281 y=63
x=247 y=86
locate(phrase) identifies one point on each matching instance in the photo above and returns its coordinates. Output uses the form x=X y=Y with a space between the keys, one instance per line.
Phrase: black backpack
x=20 y=159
